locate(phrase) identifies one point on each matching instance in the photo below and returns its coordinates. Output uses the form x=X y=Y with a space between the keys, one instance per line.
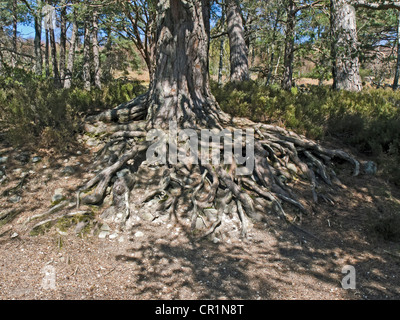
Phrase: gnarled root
x=281 y=157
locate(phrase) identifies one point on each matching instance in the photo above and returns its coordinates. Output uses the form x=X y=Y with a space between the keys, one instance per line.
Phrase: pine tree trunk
x=71 y=56
x=96 y=51
x=397 y=74
x=38 y=45
x=107 y=66
x=15 y=36
x=346 y=66
x=287 y=81
x=180 y=89
x=221 y=49
x=86 y=59
x=63 y=43
x=47 y=54
x=274 y=36
x=56 y=73
x=237 y=43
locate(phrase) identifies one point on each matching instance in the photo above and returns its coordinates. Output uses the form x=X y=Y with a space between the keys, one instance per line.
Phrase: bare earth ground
x=164 y=261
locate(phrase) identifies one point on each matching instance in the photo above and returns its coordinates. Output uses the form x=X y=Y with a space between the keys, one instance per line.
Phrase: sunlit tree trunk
x=71 y=56
x=237 y=43
x=346 y=65
x=287 y=81
x=180 y=88
x=96 y=51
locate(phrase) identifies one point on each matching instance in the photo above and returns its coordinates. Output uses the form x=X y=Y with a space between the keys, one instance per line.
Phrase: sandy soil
x=162 y=260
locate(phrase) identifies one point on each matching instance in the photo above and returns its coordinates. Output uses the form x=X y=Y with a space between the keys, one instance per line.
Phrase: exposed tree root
x=281 y=158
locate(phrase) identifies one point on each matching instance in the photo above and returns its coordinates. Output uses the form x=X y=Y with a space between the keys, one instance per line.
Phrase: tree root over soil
x=281 y=156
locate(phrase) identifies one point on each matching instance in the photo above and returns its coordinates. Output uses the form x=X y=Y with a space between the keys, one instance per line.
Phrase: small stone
x=68 y=170
x=15 y=199
x=113 y=236
x=200 y=224
x=3 y=160
x=105 y=227
x=14 y=235
x=103 y=234
x=147 y=216
x=216 y=240
x=92 y=143
x=58 y=196
x=369 y=168
x=121 y=239
x=139 y=234
x=36 y=159
x=80 y=226
x=119 y=215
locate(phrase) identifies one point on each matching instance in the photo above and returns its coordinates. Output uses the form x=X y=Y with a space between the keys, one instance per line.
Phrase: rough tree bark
x=71 y=56
x=47 y=54
x=273 y=49
x=53 y=45
x=346 y=66
x=63 y=43
x=397 y=73
x=14 y=33
x=237 y=43
x=86 y=58
x=96 y=51
x=180 y=90
x=221 y=47
x=287 y=81
x=38 y=44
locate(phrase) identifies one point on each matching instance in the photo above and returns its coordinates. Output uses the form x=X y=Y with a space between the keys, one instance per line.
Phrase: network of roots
x=280 y=157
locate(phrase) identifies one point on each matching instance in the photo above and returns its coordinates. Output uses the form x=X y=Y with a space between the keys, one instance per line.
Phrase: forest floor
x=161 y=259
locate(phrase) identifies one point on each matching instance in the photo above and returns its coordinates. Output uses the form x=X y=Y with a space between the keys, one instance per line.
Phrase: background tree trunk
x=287 y=81
x=56 y=73
x=239 y=50
x=397 y=74
x=15 y=35
x=180 y=88
x=71 y=56
x=46 y=54
x=346 y=66
x=96 y=51
x=86 y=58
x=63 y=43
x=38 y=44
x=274 y=36
x=221 y=48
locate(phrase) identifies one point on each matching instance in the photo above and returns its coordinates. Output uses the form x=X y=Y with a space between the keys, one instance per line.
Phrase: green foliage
x=37 y=114
x=369 y=121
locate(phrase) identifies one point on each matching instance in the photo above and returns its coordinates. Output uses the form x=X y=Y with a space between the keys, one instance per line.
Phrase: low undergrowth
x=35 y=114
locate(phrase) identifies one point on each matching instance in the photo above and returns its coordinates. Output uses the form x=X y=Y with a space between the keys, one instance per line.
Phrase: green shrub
x=36 y=114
